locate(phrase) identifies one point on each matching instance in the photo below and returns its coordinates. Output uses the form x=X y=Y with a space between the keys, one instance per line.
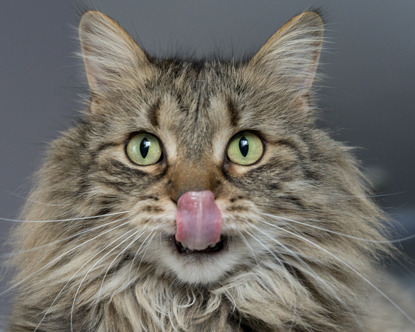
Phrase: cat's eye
x=144 y=149
x=245 y=148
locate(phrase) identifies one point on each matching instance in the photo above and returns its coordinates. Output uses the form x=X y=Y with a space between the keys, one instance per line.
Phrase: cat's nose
x=193 y=188
x=191 y=178
x=176 y=193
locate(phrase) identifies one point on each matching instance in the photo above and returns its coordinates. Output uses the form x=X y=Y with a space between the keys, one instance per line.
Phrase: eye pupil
x=144 y=147
x=243 y=146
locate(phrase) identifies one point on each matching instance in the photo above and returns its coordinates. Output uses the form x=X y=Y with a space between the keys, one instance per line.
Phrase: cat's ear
x=112 y=58
x=291 y=55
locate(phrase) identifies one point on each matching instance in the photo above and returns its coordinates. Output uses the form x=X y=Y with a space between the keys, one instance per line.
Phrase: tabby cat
x=201 y=196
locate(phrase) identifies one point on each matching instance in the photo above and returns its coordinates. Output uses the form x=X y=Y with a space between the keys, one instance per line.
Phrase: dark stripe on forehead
x=233 y=112
x=153 y=113
x=198 y=106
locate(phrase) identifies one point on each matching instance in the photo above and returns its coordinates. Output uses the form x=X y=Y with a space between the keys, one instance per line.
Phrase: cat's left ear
x=290 y=57
x=112 y=59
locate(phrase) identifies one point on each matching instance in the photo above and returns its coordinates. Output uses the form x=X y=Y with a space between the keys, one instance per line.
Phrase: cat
x=200 y=195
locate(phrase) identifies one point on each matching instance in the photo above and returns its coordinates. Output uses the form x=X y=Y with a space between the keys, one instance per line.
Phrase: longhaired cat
x=201 y=196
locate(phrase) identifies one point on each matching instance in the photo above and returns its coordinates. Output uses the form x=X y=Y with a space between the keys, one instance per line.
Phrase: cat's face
x=235 y=131
x=191 y=125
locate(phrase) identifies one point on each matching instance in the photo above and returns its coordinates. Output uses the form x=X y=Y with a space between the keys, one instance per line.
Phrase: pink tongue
x=198 y=220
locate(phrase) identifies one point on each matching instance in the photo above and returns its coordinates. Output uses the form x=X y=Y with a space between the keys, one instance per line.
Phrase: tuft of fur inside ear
x=110 y=55
x=290 y=57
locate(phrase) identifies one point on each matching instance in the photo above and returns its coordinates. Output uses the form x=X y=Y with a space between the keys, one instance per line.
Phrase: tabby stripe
x=153 y=113
x=233 y=112
x=104 y=146
x=198 y=106
x=114 y=167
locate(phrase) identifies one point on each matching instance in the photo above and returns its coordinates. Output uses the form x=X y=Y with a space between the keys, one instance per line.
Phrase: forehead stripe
x=233 y=112
x=153 y=113
x=198 y=106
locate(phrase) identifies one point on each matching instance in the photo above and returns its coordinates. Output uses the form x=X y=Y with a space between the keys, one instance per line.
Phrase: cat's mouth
x=211 y=249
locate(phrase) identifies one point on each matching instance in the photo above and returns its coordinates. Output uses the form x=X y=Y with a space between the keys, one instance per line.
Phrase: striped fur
x=120 y=271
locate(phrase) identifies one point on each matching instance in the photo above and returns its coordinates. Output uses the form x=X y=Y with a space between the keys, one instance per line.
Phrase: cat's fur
x=274 y=275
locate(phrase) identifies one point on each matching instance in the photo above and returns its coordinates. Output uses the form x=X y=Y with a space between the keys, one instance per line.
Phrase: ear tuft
x=291 y=55
x=110 y=55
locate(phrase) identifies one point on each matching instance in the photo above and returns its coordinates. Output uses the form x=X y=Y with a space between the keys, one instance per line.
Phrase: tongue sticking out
x=198 y=220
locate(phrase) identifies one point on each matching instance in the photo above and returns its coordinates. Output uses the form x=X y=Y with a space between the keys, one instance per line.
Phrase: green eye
x=144 y=149
x=245 y=148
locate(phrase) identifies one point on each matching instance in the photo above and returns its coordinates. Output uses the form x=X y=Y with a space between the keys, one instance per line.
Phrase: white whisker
x=62 y=240
x=248 y=245
x=338 y=233
x=63 y=220
x=73 y=276
x=287 y=277
x=112 y=262
x=145 y=251
x=32 y=200
x=352 y=269
x=92 y=267
x=137 y=253
x=308 y=270
x=102 y=283
x=61 y=256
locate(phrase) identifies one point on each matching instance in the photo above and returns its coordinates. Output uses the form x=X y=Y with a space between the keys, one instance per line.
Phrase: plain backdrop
x=367 y=99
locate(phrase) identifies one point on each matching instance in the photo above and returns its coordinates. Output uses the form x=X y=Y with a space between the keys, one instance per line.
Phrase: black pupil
x=243 y=146
x=144 y=147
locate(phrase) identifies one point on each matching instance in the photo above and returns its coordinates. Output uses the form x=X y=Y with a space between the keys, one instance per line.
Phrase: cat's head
x=219 y=165
x=210 y=145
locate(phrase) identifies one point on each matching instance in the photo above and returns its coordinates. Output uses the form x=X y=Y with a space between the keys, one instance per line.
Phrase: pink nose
x=198 y=220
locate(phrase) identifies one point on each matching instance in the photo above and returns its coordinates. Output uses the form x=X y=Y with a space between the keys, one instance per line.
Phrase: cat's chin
x=203 y=266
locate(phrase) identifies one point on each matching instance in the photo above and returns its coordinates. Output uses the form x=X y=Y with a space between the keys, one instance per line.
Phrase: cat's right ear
x=290 y=57
x=112 y=58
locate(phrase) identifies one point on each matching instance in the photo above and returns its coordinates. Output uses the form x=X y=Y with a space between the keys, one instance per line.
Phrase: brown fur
x=275 y=275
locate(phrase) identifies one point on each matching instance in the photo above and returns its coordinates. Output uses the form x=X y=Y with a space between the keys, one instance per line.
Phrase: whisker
x=32 y=200
x=73 y=276
x=109 y=267
x=338 y=233
x=145 y=251
x=248 y=245
x=95 y=264
x=306 y=186
x=352 y=269
x=287 y=278
x=371 y=196
x=137 y=253
x=62 y=220
x=308 y=270
x=62 y=240
x=138 y=250
x=60 y=257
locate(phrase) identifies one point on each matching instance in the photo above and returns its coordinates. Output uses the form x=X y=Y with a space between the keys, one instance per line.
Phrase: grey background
x=367 y=99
